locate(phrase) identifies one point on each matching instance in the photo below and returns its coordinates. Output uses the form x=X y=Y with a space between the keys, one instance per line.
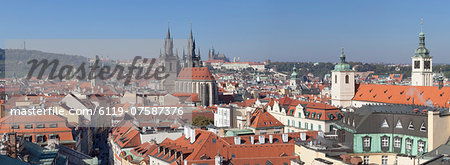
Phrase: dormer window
x=331 y=116
x=15 y=127
x=384 y=124
x=28 y=126
x=411 y=126
x=399 y=124
x=423 y=128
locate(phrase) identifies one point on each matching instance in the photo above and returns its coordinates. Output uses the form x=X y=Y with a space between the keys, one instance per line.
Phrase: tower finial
x=421 y=24
x=342 y=55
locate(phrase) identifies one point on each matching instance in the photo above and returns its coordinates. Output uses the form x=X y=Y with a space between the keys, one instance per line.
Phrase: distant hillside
x=16 y=60
x=320 y=69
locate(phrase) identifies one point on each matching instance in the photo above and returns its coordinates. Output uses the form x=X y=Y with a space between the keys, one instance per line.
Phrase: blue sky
x=370 y=31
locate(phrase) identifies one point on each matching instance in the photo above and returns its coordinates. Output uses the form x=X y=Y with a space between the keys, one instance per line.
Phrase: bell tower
x=343 y=83
x=422 y=65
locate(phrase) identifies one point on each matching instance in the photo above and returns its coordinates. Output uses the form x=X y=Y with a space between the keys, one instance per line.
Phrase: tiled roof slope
x=263 y=119
x=396 y=94
x=195 y=73
x=207 y=145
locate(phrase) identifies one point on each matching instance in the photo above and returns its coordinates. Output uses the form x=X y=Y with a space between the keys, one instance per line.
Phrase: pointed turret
x=168 y=44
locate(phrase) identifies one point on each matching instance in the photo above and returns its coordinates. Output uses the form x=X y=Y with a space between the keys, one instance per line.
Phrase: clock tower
x=422 y=65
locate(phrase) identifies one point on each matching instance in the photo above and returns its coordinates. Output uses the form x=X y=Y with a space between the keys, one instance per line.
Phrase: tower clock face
x=416 y=64
x=426 y=64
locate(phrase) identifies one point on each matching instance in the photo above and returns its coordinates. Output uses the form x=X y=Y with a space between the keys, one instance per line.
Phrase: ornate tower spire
x=422 y=50
x=168 y=44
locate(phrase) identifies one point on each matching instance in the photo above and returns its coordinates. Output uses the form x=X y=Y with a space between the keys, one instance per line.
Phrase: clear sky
x=370 y=31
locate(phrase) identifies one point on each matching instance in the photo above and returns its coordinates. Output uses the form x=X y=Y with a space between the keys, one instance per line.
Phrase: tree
x=202 y=121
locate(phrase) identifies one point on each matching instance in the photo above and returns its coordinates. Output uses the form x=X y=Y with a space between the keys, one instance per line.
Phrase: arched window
x=346 y=79
x=335 y=79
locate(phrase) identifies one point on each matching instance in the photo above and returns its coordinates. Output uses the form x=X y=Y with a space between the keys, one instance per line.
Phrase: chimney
x=252 y=139
x=262 y=139
x=12 y=145
x=192 y=135
x=237 y=140
x=285 y=138
x=303 y=136
x=270 y=139
x=186 y=132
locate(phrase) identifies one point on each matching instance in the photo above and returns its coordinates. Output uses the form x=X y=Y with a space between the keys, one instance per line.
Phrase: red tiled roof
x=195 y=73
x=262 y=119
x=397 y=94
x=64 y=133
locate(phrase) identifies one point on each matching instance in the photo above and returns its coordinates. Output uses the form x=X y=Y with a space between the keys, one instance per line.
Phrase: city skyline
x=252 y=30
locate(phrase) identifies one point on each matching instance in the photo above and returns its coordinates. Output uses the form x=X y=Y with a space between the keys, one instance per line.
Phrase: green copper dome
x=294 y=73
x=343 y=65
x=422 y=51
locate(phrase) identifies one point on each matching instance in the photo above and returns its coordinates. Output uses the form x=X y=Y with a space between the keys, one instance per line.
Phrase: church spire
x=422 y=50
x=168 y=44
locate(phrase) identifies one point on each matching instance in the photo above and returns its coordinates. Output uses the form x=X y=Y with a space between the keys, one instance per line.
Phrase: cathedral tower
x=422 y=65
x=343 y=83
x=171 y=64
x=191 y=58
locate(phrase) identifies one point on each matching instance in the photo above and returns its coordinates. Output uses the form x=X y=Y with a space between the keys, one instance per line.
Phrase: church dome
x=342 y=67
x=422 y=51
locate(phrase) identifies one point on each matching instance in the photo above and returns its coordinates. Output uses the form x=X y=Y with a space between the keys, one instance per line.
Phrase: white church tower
x=422 y=65
x=343 y=83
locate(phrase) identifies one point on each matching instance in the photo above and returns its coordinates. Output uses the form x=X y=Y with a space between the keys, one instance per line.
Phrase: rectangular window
x=397 y=142
x=366 y=160
x=385 y=142
x=420 y=146
x=408 y=144
x=54 y=136
x=384 y=160
x=306 y=125
x=312 y=127
x=366 y=142
x=299 y=124
x=320 y=128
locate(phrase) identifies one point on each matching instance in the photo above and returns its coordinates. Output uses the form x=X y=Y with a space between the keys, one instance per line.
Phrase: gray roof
x=369 y=119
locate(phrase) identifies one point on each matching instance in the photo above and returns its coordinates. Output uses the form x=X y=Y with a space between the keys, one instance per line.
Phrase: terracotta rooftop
x=195 y=73
x=397 y=94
